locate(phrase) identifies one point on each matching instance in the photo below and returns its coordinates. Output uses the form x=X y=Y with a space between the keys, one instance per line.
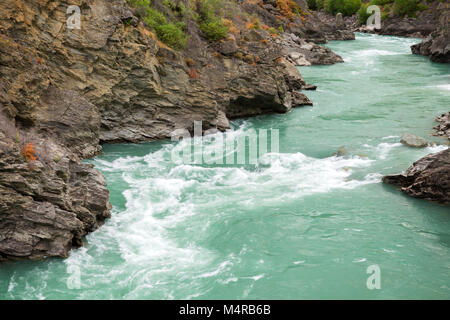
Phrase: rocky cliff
x=64 y=91
x=437 y=44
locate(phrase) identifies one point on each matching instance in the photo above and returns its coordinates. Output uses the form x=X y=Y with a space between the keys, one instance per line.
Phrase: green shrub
x=172 y=35
x=154 y=18
x=272 y=30
x=211 y=24
x=312 y=4
x=381 y=2
x=406 y=7
x=178 y=9
x=320 y=4
x=346 y=7
x=139 y=3
x=214 y=29
x=362 y=13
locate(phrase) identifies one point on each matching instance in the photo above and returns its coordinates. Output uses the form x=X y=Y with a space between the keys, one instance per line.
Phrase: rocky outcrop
x=428 y=178
x=46 y=205
x=417 y=27
x=304 y=53
x=437 y=44
x=64 y=91
x=443 y=128
x=337 y=27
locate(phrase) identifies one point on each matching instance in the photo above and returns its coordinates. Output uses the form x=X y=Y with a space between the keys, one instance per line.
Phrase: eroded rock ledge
x=64 y=91
x=428 y=178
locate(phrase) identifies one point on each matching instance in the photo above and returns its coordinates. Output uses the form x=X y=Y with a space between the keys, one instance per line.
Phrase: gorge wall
x=64 y=91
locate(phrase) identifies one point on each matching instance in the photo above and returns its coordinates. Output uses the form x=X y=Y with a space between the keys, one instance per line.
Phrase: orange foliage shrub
x=28 y=152
x=231 y=27
x=189 y=61
x=254 y=23
x=193 y=74
x=288 y=8
x=258 y=2
x=248 y=58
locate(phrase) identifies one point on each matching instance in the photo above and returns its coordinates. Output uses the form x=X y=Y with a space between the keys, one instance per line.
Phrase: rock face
x=64 y=91
x=336 y=28
x=428 y=178
x=47 y=205
x=437 y=44
x=413 y=141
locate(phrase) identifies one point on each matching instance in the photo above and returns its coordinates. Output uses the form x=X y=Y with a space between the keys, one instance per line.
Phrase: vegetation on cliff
x=398 y=8
x=174 y=21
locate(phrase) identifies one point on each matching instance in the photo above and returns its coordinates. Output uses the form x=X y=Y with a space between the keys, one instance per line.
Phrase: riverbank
x=429 y=23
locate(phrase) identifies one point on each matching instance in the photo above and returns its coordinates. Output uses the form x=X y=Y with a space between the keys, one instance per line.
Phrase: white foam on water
x=445 y=87
x=374 y=52
x=383 y=149
x=223 y=266
x=163 y=196
x=257 y=277
x=228 y=280
x=390 y=137
x=437 y=148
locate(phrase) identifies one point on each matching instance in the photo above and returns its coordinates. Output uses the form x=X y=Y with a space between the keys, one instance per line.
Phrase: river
x=303 y=223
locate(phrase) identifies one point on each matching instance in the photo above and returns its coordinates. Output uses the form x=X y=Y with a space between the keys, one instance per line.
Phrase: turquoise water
x=301 y=224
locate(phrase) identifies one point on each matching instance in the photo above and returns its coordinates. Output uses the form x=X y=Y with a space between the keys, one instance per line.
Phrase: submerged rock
x=413 y=141
x=428 y=178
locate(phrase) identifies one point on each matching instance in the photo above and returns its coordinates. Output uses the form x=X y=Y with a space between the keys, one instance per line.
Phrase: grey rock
x=443 y=128
x=304 y=53
x=428 y=178
x=340 y=21
x=228 y=47
x=413 y=141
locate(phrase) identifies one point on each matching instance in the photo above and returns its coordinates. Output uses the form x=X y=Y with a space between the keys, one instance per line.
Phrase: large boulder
x=413 y=141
